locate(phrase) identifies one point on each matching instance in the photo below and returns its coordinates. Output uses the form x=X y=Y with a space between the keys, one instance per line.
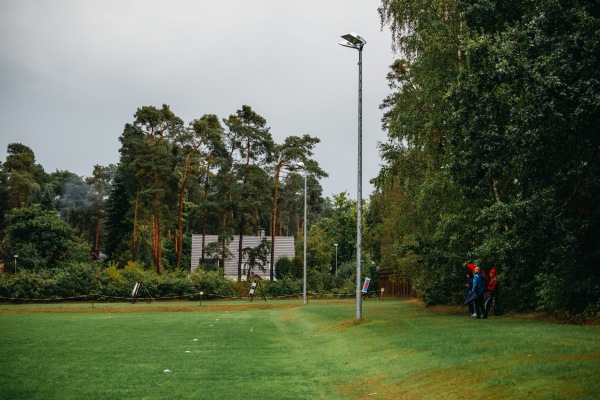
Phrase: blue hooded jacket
x=479 y=283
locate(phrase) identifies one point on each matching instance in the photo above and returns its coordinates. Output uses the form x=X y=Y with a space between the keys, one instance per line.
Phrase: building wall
x=284 y=247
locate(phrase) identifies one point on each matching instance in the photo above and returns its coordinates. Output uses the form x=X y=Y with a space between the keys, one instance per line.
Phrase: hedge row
x=81 y=280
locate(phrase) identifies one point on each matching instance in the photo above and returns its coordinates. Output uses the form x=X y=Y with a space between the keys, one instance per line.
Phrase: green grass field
x=283 y=350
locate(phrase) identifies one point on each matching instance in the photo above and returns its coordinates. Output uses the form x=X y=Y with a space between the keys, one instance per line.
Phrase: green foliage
x=212 y=283
x=119 y=219
x=500 y=168
x=111 y=282
x=172 y=285
x=28 y=284
x=319 y=250
x=298 y=265
x=286 y=286
x=171 y=181
x=320 y=282
x=529 y=87
x=40 y=237
x=284 y=268
x=72 y=280
x=44 y=196
x=347 y=270
x=24 y=174
x=257 y=257
x=76 y=279
x=336 y=226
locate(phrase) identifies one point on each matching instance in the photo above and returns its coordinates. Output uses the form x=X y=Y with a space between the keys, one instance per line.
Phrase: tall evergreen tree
x=249 y=131
x=119 y=238
x=23 y=174
x=286 y=155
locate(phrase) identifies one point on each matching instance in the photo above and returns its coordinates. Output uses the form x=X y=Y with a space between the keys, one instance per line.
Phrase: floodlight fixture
x=353 y=40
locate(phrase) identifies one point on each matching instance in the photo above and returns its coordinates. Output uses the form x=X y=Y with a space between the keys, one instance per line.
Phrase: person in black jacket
x=468 y=287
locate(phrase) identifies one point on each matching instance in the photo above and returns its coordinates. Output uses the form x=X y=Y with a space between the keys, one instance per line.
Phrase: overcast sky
x=73 y=73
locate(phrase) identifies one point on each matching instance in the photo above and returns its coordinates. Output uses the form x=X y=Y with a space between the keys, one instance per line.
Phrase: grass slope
x=283 y=350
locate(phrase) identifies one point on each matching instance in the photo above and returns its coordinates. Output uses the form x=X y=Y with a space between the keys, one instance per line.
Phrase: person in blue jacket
x=479 y=288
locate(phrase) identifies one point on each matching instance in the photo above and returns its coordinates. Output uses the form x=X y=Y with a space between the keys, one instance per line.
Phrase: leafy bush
x=283 y=287
x=75 y=280
x=284 y=268
x=211 y=283
x=173 y=285
x=29 y=285
x=321 y=282
x=111 y=282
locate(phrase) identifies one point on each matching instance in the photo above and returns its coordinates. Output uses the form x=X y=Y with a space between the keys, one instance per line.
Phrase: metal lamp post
x=16 y=256
x=336 y=245
x=354 y=41
x=301 y=165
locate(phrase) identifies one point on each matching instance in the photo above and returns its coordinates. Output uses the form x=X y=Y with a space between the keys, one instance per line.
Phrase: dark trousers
x=471 y=306
x=492 y=302
x=479 y=309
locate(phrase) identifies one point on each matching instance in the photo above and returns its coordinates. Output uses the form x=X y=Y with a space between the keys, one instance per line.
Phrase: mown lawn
x=283 y=350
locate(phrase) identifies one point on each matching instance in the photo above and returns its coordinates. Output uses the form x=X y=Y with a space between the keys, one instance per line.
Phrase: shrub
x=29 y=285
x=283 y=287
x=212 y=283
x=284 y=268
x=76 y=279
x=173 y=285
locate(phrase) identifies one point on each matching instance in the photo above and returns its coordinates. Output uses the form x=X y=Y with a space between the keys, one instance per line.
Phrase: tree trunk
x=153 y=239
x=134 y=244
x=204 y=214
x=240 y=254
x=179 y=235
x=156 y=235
x=224 y=227
x=159 y=268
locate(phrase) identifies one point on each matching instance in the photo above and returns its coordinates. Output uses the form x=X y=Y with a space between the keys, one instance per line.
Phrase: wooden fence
x=393 y=287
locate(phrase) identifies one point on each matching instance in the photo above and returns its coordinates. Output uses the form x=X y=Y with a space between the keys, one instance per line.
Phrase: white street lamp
x=336 y=245
x=354 y=41
x=301 y=165
x=16 y=256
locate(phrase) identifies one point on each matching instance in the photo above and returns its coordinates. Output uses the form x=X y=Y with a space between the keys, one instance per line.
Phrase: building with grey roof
x=284 y=247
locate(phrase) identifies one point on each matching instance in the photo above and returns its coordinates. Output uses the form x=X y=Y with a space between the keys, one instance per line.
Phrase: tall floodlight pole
x=336 y=245
x=301 y=165
x=354 y=41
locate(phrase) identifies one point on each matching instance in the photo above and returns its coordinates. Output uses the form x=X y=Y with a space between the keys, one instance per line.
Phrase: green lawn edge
x=286 y=350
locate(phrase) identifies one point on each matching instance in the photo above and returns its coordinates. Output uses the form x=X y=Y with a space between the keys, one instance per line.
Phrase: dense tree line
x=225 y=177
x=209 y=177
x=492 y=158
x=493 y=150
